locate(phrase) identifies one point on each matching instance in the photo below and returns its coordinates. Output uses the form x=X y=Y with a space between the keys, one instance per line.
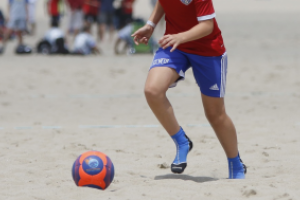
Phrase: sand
x=53 y=108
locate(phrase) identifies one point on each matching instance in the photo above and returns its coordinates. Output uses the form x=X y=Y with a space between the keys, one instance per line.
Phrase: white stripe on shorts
x=223 y=74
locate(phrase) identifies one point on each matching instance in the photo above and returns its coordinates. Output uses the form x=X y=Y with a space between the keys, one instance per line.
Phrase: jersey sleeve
x=205 y=10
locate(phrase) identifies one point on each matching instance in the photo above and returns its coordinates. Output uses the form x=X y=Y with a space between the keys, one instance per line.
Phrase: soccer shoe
x=178 y=168
x=237 y=169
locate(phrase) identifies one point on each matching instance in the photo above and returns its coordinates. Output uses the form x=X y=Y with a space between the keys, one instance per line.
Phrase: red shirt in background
x=91 y=7
x=182 y=15
x=75 y=4
x=127 y=6
x=53 y=7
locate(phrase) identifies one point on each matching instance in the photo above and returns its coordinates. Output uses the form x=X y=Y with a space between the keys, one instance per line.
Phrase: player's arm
x=143 y=34
x=157 y=13
x=204 y=28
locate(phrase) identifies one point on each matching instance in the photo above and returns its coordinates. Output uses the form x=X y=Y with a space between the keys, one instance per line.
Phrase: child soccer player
x=127 y=11
x=90 y=10
x=76 y=16
x=106 y=17
x=53 y=41
x=194 y=39
x=84 y=43
x=54 y=10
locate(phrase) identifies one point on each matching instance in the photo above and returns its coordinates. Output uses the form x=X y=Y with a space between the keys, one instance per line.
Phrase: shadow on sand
x=198 y=179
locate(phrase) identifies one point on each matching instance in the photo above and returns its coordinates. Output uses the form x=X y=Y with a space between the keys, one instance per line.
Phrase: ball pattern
x=93 y=169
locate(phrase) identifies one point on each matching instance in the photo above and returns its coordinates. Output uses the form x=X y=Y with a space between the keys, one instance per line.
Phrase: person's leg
x=158 y=81
x=101 y=31
x=221 y=123
x=20 y=37
x=31 y=18
x=20 y=29
x=111 y=32
x=210 y=74
x=165 y=70
x=7 y=35
x=157 y=84
x=110 y=25
x=33 y=28
x=101 y=22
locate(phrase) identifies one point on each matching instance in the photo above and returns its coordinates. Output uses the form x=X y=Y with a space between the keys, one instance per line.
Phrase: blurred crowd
x=108 y=16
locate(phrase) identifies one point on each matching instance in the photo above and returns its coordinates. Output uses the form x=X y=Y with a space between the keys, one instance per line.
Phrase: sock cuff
x=236 y=162
x=179 y=137
x=234 y=159
x=178 y=134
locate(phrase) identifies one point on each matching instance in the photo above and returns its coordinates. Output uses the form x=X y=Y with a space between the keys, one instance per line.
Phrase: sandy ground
x=54 y=108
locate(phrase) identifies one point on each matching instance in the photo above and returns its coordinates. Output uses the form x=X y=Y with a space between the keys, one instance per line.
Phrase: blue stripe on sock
x=236 y=169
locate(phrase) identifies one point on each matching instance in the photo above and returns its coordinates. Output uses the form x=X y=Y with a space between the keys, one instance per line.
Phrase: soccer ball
x=93 y=169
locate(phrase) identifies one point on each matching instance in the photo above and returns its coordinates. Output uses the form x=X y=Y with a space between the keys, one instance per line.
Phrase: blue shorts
x=209 y=72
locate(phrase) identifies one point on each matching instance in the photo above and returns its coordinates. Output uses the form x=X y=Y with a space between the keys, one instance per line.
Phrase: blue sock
x=236 y=168
x=182 y=146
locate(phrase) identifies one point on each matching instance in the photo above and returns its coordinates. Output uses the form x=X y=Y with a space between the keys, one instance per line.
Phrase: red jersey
x=53 y=7
x=127 y=6
x=182 y=15
x=91 y=7
x=75 y=4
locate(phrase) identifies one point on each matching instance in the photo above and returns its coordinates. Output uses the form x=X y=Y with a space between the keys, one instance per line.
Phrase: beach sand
x=54 y=108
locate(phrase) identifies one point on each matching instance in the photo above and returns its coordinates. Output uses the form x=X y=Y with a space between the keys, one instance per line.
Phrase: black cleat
x=179 y=168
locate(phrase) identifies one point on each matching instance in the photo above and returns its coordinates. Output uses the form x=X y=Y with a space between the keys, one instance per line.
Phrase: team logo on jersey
x=186 y=2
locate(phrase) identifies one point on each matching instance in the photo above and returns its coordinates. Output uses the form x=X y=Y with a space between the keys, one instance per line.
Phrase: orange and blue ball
x=93 y=169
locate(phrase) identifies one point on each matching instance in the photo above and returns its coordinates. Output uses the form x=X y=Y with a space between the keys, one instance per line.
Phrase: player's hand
x=143 y=35
x=171 y=40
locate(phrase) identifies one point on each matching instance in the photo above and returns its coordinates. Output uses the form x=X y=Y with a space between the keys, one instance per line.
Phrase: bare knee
x=154 y=93
x=215 y=116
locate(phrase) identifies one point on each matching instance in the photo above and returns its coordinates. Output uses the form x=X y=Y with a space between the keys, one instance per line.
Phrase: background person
x=106 y=18
x=53 y=41
x=54 y=10
x=126 y=12
x=17 y=22
x=91 y=10
x=84 y=43
x=76 y=16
